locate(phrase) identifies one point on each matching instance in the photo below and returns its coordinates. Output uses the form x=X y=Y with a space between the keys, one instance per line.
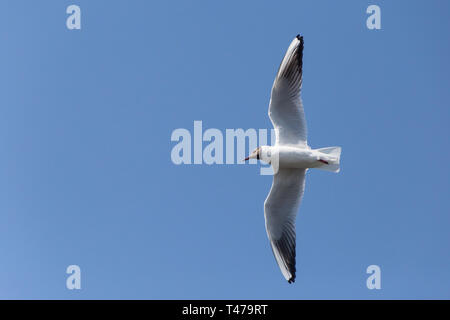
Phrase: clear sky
x=86 y=176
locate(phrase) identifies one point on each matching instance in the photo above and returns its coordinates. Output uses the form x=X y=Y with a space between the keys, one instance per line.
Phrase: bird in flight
x=290 y=158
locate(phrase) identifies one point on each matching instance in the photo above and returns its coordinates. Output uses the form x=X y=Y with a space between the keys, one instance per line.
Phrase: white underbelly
x=297 y=158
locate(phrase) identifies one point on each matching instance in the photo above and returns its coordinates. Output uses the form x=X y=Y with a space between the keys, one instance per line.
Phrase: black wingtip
x=292 y=279
x=300 y=38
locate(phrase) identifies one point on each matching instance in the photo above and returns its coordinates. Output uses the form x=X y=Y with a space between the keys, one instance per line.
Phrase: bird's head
x=261 y=153
x=254 y=155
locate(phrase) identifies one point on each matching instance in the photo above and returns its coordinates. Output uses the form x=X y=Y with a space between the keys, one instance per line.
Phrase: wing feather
x=280 y=211
x=286 y=108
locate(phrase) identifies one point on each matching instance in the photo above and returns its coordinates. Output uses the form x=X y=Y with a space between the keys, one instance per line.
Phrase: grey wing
x=286 y=108
x=280 y=211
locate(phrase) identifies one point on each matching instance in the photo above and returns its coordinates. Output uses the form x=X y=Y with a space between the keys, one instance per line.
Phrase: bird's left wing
x=280 y=211
x=286 y=108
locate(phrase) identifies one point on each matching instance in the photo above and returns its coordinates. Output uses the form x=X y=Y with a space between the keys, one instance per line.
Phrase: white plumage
x=290 y=158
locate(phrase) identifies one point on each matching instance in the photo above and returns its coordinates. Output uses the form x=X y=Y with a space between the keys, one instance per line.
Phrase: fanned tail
x=331 y=159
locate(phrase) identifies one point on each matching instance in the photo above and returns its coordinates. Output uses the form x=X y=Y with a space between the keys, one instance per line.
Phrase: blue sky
x=86 y=176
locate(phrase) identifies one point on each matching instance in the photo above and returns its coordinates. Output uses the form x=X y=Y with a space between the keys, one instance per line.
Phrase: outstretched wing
x=280 y=211
x=286 y=109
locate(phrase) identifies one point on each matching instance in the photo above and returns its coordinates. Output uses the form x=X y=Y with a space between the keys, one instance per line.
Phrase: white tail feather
x=332 y=156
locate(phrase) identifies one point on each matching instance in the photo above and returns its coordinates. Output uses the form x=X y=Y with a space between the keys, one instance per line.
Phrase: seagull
x=290 y=158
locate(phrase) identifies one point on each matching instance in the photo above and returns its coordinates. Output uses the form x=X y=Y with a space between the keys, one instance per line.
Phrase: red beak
x=246 y=158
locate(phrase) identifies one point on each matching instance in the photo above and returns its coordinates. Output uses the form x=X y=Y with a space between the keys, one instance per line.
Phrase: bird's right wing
x=286 y=108
x=280 y=211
